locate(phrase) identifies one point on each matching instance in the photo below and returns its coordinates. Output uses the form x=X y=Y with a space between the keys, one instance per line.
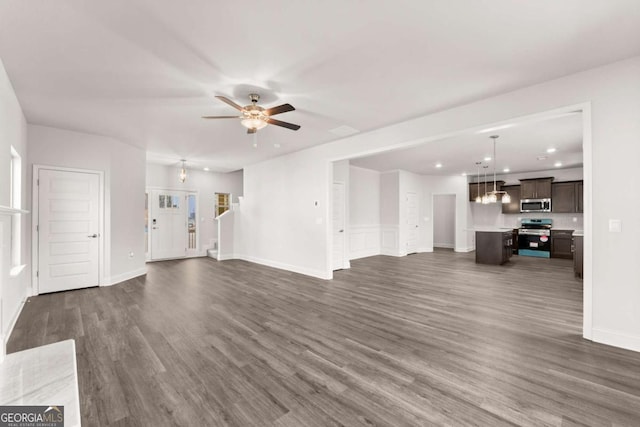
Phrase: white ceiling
x=521 y=147
x=144 y=71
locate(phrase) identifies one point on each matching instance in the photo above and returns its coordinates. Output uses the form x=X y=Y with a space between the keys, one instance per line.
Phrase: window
x=16 y=203
x=222 y=203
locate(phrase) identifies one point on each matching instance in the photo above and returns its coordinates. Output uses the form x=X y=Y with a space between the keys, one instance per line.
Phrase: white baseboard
x=469 y=249
x=422 y=250
x=364 y=254
x=289 y=267
x=392 y=253
x=444 y=245
x=113 y=280
x=12 y=324
x=616 y=339
x=222 y=257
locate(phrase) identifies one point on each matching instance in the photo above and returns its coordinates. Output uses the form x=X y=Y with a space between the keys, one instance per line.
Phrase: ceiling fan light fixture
x=253 y=123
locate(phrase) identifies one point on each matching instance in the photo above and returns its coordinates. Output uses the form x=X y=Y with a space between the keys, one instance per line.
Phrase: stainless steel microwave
x=535 y=205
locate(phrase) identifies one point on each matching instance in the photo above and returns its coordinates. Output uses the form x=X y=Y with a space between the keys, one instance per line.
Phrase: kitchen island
x=493 y=245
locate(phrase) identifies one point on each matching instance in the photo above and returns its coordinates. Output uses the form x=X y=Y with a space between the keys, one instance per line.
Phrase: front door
x=168 y=224
x=68 y=230
x=338 y=225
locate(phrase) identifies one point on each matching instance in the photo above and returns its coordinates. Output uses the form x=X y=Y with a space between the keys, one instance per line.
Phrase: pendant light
x=183 y=172
x=492 y=196
x=485 y=197
x=478 y=197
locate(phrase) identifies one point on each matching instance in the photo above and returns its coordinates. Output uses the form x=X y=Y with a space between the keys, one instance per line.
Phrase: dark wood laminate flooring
x=428 y=339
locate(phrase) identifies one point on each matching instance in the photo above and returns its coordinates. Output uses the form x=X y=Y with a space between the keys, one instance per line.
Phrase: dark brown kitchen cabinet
x=493 y=247
x=514 y=193
x=579 y=197
x=561 y=244
x=578 y=256
x=539 y=188
x=473 y=188
x=566 y=197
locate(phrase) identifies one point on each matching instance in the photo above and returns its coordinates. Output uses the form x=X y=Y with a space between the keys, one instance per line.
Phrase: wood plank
x=430 y=339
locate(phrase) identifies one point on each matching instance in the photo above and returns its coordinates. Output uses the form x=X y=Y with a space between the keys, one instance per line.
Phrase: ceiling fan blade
x=230 y=102
x=252 y=130
x=282 y=124
x=279 y=109
x=220 y=117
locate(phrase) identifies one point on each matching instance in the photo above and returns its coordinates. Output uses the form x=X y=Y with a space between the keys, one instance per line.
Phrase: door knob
x=92 y=236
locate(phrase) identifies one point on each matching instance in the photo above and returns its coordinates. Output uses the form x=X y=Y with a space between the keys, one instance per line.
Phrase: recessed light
x=464 y=174
x=557 y=164
x=438 y=165
x=276 y=145
x=551 y=150
x=542 y=157
x=487 y=159
x=206 y=169
x=505 y=170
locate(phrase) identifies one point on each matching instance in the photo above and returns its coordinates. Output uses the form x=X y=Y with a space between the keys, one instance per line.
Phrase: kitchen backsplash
x=491 y=215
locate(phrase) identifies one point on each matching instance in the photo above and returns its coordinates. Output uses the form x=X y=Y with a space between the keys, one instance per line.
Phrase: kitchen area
x=534 y=215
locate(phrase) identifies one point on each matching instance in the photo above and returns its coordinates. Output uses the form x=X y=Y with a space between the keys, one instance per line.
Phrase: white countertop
x=490 y=229
x=46 y=376
x=579 y=233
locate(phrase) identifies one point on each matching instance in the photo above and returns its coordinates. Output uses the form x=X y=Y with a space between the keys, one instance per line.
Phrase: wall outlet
x=615 y=226
x=130 y=254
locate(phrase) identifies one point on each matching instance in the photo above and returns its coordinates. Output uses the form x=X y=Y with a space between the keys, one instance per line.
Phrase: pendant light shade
x=183 y=172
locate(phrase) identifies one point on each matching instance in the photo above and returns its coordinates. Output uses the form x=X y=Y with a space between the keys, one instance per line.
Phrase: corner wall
x=13 y=132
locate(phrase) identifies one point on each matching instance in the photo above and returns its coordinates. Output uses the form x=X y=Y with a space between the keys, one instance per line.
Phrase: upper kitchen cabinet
x=514 y=193
x=566 y=197
x=539 y=188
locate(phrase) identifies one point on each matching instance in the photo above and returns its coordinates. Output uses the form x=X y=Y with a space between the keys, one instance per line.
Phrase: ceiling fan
x=255 y=117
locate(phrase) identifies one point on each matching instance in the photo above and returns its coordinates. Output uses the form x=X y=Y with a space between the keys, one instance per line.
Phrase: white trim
x=469 y=249
x=424 y=249
x=616 y=339
x=12 y=324
x=119 y=278
x=104 y=256
x=587 y=172
x=9 y=210
x=289 y=267
x=444 y=245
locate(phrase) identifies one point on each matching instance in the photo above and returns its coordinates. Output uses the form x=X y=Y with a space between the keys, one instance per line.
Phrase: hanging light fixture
x=183 y=172
x=485 y=197
x=492 y=196
x=478 y=197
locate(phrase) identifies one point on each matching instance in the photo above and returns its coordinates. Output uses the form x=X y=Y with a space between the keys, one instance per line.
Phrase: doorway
x=412 y=223
x=444 y=221
x=173 y=224
x=68 y=228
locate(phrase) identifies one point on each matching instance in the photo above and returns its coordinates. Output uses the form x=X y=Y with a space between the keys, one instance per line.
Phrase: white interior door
x=412 y=223
x=68 y=230
x=168 y=224
x=339 y=239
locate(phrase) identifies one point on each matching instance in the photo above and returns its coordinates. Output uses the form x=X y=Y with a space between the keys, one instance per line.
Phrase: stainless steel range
x=534 y=238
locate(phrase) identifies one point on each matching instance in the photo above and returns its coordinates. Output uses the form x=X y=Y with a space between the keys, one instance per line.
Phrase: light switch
x=615 y=226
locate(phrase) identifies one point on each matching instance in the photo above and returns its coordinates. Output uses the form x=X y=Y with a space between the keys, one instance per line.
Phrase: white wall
x=364 y=212
x=13 y=132
x=444 y=220
x=390 y=213
x=206 y=184
x=124 y=171
x=613 y=96
x=451 y=185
